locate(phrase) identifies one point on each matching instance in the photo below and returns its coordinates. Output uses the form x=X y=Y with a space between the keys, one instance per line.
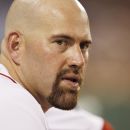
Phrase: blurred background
x=106 y=91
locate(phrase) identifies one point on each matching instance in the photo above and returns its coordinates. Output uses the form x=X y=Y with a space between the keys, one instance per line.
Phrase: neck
x=11 y=69
x=43 y=102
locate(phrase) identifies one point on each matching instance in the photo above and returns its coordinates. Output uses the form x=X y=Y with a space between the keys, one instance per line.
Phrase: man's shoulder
x=14 y=93
x=11 y=90
x=77 y=119
x=18 y=108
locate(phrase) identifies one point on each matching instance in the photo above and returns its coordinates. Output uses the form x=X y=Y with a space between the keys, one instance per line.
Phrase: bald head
x=25 y=15
x=42 y=39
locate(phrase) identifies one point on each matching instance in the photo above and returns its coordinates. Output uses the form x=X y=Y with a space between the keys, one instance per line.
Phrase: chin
x=64 y=101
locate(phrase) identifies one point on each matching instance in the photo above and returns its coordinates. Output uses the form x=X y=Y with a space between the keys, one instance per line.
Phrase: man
x=44 y=54
x=43 y=57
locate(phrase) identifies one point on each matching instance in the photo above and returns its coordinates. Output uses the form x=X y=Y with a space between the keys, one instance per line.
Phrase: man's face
x=55 y=58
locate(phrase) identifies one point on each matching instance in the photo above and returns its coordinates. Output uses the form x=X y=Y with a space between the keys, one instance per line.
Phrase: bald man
x=43 y=58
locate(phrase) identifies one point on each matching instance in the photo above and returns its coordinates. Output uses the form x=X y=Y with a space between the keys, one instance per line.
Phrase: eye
x=84 y=46
x=61 y=42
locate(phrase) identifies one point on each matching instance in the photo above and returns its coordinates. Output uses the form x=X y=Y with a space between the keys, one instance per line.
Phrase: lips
x=72 y=80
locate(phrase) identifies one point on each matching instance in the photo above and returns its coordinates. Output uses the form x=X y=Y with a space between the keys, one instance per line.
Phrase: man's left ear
x=15 y=46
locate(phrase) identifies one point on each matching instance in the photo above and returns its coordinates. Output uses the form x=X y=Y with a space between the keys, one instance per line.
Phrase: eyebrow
x=62 y=36
x=69 y=38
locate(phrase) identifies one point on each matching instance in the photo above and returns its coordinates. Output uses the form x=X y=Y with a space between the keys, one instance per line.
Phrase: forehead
x=66 y=24
x=57 y=19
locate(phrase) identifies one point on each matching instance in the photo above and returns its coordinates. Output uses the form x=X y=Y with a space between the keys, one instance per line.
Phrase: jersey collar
x=4 y=72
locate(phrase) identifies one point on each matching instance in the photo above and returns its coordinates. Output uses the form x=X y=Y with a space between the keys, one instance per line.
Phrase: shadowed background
x=107 y=87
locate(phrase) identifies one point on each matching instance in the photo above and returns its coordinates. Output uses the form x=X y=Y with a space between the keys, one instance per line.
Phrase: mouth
x=72 y=81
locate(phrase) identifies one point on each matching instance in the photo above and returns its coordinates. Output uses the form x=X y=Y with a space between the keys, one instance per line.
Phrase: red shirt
x=107 y=126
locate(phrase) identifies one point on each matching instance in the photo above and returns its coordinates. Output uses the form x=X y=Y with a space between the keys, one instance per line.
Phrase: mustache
x=73 y=69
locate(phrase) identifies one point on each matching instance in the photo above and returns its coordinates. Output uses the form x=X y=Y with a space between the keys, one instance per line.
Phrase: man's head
x=46 y=42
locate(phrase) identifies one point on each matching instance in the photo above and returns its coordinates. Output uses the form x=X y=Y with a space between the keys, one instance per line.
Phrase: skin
x=45 y=47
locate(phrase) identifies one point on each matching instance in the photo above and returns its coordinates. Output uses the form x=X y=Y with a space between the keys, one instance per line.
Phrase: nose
x=76 y=58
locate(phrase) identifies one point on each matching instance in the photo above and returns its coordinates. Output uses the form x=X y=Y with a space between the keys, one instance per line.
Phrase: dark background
x=107 y=88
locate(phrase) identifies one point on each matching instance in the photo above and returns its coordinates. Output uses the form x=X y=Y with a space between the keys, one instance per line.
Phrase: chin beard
x=63 y=99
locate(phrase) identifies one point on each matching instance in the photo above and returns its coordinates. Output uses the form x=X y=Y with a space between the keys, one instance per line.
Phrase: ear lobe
x=14 y=46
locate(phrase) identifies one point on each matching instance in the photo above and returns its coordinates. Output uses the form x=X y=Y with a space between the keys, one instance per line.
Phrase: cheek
x=44 y=63
x=52 y=65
